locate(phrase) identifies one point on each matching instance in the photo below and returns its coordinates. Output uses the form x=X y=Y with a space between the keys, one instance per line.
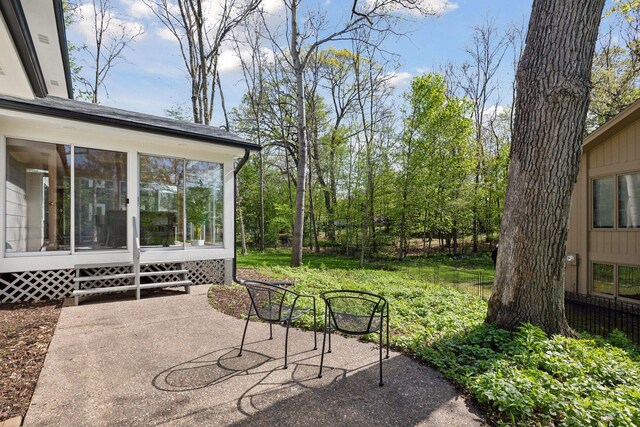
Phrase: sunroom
x=92 y=187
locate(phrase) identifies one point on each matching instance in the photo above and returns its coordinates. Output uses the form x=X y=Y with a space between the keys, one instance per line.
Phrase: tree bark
x=551 y=105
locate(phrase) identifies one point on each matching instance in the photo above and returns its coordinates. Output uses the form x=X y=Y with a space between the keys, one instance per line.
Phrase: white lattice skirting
x=43 y=285
x=35 y=285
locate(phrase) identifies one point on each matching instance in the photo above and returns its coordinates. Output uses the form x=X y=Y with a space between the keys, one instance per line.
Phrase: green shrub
x=521 y=378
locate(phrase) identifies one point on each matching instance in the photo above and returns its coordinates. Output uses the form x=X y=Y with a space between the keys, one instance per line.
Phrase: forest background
x=381 y=171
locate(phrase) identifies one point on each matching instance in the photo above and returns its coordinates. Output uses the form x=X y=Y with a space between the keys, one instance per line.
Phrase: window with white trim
x=611 y=194
x=39 y=189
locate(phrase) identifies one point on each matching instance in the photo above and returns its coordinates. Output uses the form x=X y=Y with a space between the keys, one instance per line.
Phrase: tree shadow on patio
x=269 y=395
x=208 y=369
x=412 y=394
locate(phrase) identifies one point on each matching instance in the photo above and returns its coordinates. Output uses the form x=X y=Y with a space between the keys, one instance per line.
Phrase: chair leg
x=324 y=339
x=315 y=327
x=387 y=333
x=245 y=331
x=329 y=351
x=270 y=331
x=286 y=342
x=381 y=383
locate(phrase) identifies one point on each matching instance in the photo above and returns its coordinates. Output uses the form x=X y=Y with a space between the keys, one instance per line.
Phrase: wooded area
x=385 y=176
x=348 y=167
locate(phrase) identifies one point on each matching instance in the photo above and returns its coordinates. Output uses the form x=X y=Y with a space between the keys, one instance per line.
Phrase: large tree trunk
x=551 y=106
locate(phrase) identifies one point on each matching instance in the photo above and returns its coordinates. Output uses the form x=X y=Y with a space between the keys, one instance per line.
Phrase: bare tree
x=551 y=107
x=616 y=64
x=303 y=42
x=476 y=80
x=372 y=89
x=200 y=28
x=337 y=79
x=253 y=65
x=112 y=35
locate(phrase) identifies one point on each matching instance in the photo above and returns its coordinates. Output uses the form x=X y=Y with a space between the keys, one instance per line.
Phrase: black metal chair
x=275 y=303
x=354 y=313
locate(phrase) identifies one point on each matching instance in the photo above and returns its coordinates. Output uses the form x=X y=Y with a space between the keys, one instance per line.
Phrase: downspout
x=243 y=160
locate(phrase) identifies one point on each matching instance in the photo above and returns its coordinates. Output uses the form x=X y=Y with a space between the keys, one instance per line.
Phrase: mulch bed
x=26 y=330
x=233 y=300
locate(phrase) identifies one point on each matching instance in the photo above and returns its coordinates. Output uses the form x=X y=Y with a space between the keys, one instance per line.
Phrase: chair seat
x=276 y=313
x=355 y=324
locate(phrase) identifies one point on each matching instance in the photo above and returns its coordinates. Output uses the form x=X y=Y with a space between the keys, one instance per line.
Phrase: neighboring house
x=78 y=182
x=603 y=247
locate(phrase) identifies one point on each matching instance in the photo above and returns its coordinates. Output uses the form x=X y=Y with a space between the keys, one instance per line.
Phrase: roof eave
x=64 y=48
x=613 y=126
x=19 y=30
x=122 y=124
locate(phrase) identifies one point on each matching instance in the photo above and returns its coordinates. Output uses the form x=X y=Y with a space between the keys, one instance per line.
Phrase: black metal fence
x=600 y=316
x=472 y=282
x=585 y=313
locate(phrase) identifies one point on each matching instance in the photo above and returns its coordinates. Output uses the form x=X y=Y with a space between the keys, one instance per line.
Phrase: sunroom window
x=38 y=197
x=204 y=203
x=161 y=201
x=180 y=202
x=100 y=199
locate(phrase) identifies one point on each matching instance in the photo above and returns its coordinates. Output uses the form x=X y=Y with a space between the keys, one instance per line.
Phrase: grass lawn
x=520 y=378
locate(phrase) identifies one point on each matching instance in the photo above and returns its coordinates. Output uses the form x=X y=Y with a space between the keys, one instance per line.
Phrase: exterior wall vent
x=43 y=39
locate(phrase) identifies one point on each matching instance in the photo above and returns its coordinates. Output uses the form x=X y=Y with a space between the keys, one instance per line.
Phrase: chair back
x=355 y=312
x=268 y=300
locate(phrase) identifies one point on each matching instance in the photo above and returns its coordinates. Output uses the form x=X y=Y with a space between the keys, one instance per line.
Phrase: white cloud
x=424 y=70
x=439 y=7
x=433 y=7
x=163 y=33
x=269 y=54
x=494 y=110
x=228 y=62
x=273 y=6
x=398 y=78
x=85 y=25
x=137 y=8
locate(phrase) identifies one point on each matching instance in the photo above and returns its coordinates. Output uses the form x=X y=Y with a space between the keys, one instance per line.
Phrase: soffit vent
x=43 y=39
x=54 y=83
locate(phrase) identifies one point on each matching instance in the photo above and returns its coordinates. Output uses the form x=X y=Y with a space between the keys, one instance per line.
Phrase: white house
x=96 y=199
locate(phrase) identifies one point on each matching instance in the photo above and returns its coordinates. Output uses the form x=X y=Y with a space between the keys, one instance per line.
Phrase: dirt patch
x=26 y=330
x=257 y=274
x=234 y=299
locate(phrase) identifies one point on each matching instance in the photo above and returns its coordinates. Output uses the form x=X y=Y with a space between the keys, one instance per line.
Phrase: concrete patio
x=172 y=360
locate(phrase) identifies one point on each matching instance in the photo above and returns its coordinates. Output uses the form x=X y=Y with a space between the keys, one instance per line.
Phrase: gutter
x=19 y=31
x=243 y=160
x=64 y=49
x=79 y=111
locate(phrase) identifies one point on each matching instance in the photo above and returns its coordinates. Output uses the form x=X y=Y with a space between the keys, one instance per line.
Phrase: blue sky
x=151 y=80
